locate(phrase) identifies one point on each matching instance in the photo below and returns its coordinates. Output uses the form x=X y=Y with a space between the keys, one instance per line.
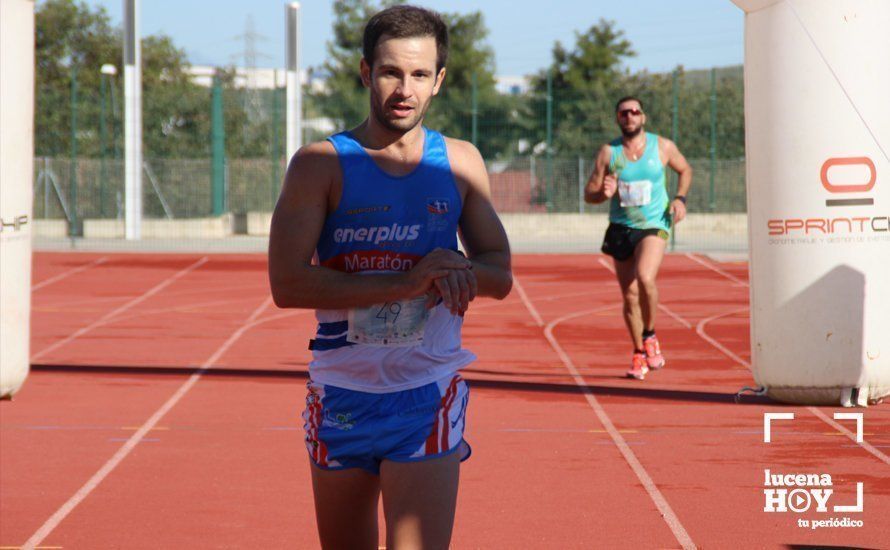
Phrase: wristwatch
x=681 y=198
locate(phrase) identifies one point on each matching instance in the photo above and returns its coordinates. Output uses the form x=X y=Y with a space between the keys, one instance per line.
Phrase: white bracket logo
x=797 y=492
x=852 y=416
x=769 y=417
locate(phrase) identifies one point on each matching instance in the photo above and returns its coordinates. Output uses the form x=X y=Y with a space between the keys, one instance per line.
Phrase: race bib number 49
x=398 y=323
x=635 y=193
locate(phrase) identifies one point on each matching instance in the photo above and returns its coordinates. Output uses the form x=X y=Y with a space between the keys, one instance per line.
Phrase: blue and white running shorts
x=353 y=429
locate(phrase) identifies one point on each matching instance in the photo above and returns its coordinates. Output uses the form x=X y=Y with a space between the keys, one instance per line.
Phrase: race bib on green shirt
x=635 y=193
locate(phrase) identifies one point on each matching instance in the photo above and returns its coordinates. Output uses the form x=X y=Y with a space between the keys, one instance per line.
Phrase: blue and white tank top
x=387 y=224
x=642 y=198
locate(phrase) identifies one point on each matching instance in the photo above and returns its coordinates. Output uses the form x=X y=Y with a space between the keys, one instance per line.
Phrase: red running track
x=163 y=412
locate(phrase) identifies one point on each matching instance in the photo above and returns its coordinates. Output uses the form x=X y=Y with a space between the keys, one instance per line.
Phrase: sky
x=694 y=33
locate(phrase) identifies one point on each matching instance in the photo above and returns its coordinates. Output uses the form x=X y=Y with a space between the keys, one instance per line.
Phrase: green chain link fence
x=539 y=150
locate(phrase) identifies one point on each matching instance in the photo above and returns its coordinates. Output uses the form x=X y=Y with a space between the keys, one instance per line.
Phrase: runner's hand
x=678 y=211
x=610 y=185
x=457 y=290
x=435 y=265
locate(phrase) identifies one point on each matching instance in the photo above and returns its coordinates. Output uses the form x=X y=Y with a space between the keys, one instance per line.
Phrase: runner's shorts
x=353 y=429
x=621 y=240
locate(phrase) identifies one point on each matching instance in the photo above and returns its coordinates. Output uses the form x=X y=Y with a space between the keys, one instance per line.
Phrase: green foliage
x=73 y=41
x=588 y=79
x=175 y=112
x=69 y=35
x=587 y=76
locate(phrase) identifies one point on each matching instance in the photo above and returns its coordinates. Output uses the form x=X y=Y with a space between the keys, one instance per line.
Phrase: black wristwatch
x=681 y=198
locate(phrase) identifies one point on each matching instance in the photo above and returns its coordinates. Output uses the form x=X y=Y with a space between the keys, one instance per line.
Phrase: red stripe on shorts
x=452 y=391
x=320 y=452
x=432 y=441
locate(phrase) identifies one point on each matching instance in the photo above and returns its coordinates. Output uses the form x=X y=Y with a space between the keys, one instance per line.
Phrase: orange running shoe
x=654 y=358
x=638 y=368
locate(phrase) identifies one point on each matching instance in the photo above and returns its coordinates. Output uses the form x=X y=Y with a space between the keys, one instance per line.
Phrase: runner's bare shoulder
x=314 y=171
x=467 y=165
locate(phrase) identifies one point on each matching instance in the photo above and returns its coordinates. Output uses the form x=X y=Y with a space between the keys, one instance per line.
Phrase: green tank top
x=642 y=198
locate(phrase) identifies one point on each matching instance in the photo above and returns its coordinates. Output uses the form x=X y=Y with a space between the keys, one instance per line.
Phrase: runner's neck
x=634 y=147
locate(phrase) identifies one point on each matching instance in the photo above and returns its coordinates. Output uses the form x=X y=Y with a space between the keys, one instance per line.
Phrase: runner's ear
x=440 y=78
x=365 y=72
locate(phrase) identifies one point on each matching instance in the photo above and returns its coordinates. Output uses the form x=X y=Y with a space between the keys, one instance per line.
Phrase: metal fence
x=533 y=193
x=182 y=188
x=539 y=147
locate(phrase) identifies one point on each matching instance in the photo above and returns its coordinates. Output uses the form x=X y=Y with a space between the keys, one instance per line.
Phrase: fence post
x=675 y=112
x=474 y=131
x=73 y=229
x=46 y=184
x=276 y=146
x=711 y=197
x=219 y=152
x=549 y=178
x=533 y=172
x=115 y=128
x=103 y=142
x=580 y=184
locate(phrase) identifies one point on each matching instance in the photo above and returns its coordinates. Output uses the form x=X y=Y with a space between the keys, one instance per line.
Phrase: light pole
x=294 y=83
x=107 y=70
x=132 y=122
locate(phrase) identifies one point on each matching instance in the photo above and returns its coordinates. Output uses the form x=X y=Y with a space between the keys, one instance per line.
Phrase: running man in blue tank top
x=630 y=171
x=365 y=232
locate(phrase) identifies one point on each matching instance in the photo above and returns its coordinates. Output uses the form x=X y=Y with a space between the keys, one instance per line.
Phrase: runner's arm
x=297 y=222
x=481 y=230
x=598 y=189
x=678 y=163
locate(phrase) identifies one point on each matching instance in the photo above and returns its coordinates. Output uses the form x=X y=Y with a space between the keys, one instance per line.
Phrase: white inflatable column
x=16 y=177
x=817 y=124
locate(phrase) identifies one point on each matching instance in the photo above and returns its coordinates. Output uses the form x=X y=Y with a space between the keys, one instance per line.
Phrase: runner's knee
x=632 y=296
x=647 y=283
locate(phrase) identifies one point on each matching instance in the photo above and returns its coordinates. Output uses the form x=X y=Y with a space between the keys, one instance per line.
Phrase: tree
x=585 y=82
x=72 y=42
x=346 y=100
x=175 y=111
x=470 y=72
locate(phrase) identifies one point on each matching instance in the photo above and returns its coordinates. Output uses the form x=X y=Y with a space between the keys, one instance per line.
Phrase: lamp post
x=108 y=70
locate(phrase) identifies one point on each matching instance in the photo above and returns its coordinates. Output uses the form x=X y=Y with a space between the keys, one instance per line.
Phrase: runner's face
x=403 y=81
x=630 y=118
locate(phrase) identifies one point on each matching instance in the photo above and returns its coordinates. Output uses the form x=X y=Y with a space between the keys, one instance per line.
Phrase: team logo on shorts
x=341 y=421
x=437 y=206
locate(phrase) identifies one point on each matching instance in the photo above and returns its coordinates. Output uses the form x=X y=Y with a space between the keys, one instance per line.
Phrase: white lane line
x=679 y=319
x=661 y=503
x=816 y=412
x=662 y=307
x=716 y=269
x=528 y=304
x=607 y=265
x=59 y=305
x=135 y=439
x=867 y=446
x=111 y=314
x=68 y=273
x=700 y=330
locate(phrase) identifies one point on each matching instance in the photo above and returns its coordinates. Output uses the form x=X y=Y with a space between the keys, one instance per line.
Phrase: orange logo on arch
x=849 y=187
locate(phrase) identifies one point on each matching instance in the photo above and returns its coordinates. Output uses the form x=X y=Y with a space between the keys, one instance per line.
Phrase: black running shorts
x=621 y=240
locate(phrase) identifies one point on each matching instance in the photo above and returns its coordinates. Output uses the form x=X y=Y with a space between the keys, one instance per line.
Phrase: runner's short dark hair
x=628 y=98
x=406 y=22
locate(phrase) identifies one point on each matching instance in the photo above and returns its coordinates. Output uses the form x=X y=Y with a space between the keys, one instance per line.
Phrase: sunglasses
x=628 y=112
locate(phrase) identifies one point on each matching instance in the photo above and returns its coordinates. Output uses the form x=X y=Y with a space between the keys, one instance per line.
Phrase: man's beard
x=401 y=125
x=629 y=134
